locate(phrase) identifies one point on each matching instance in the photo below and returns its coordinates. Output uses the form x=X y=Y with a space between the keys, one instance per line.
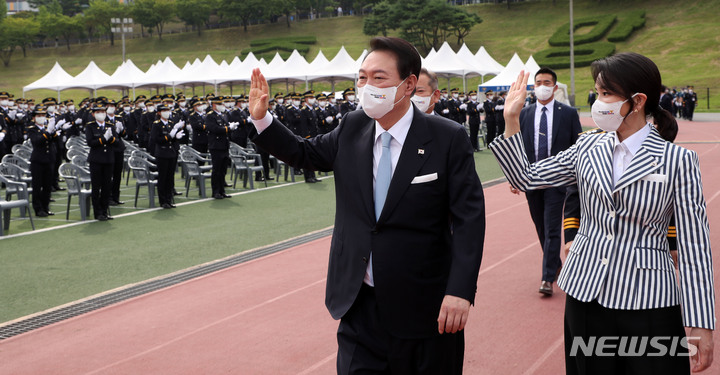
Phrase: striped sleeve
x=693 y=240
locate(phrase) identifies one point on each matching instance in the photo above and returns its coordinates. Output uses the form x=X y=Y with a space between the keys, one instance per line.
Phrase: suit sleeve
x=693 y=242
x=467 y=213
x=571 y=213
x=317 y=153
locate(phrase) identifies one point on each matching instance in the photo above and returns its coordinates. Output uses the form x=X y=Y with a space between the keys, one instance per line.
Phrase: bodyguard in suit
x=666 y=100
x=101 y=136
x=42 y=161
x=548 y=127
x=619 y=276
x=409 y=224
x=219 y=146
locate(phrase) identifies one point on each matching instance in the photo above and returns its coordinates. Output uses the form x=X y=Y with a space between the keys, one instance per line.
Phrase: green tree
x=67 y=7
x=284 y=7
x=21 y=32
x=462 y=23
x=60 y=26
x=195 y=13
x=380 y=21
x=242 y=11
x=153 y=14
x=98 y=15
x=166 y=13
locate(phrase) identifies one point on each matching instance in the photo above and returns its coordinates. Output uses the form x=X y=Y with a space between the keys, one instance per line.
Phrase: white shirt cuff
x=262 y=123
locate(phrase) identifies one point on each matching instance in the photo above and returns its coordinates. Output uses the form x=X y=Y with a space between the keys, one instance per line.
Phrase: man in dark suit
x=547 y=127
x=409 y=224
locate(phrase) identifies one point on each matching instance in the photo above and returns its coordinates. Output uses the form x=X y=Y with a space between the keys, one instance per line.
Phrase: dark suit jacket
x=666 y=102
x=428 y=240
x=101 y=149
x=44 y=146
x=565 y=128
x=219 y=131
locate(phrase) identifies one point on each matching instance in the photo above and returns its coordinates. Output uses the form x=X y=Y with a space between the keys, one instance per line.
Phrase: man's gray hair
x=433 y=78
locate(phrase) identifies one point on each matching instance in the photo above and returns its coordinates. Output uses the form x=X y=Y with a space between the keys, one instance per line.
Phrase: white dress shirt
x=624 y=151
x=549 y=114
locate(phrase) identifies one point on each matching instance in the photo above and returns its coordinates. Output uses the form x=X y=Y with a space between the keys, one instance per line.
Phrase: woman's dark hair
x=408 y=58
x=628 y=73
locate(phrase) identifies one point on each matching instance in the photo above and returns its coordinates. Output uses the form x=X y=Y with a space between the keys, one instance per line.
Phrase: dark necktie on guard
x=542 y=136
x=384 y=174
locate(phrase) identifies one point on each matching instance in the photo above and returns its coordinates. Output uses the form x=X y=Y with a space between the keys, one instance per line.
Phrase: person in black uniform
x=148 y=118
x=348 y=105
x=690 y=99
x=236 y=115
x=279 y=107
x=474 y=109
x=197 y=123
x=118 y=148
x=308 y=128
x=219 y=146
x=326 y=115
x=101 y=136
x=5 y=127
x=453 y=106
x=499 y=111
x=54 y=118
x=133 y=122
x=42 y=161
x=489 y=109
x=71 y=117
x=166 y=135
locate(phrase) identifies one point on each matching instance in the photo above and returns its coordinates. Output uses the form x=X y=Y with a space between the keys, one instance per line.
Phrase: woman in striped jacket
x=625 y=310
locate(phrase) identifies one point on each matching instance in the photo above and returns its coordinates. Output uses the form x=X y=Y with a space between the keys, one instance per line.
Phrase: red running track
x=267 y=316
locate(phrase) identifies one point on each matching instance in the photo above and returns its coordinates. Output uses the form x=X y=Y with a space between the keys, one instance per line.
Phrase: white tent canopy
x=165 y=73
x=55 y=79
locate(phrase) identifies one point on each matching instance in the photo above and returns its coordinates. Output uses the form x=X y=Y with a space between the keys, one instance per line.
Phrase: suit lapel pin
x=421 y=151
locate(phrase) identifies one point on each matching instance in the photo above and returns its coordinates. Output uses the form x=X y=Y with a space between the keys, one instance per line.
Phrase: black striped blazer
x=620 y=256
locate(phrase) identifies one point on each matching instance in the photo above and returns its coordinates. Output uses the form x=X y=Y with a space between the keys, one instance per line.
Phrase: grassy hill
x=683 y=39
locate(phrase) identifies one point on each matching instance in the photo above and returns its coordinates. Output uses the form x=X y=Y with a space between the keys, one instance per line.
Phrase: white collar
x=634 y=141
x=400 y=129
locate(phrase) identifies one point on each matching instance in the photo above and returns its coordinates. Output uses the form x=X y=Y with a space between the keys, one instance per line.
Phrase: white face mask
x=462 y=99
x=377 y=102
x=296 y=103
x=51 y=109
x=127 y=109
x=280 y=100
x=333 y=101
x=455 y=96
x=182 y=104
x=150 y=108
x=351 y=98
x=110 y=110
x=322 y=103
x=165 y=115
x=228 y=106
x=220 y=108
x=421 y=102
x=489 y=97
x=40 y=120
x=544 y=92
x=71 y=108
x=272 y=107
x=607 y=115
x=243 y=105
x=4 y=103
x=311 y=102
x=12 y=103
x=473 y=97
x=142 y=105
x=203 y=108
x=100 y=117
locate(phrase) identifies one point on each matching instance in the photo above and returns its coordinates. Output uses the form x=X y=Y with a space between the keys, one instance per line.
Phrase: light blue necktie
x=384 y=174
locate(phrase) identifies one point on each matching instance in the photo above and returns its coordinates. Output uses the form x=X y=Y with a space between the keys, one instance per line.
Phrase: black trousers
x=201 y=148
x=591 y=329
x=491 y=130
x=365 y=346
x=166 y=179
x=474 y=130
x=546 y=211
x=220 y=160
x=117 y=175
x=42 y=183
x=101 y=181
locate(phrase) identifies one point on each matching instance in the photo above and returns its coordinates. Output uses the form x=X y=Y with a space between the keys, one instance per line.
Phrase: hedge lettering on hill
x=588 y=46
x=633 y=20
x=601 y=26
x=585 y=54
x=268 y=47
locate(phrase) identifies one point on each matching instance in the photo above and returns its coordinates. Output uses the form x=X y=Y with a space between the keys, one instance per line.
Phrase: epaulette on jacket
x=593 y=131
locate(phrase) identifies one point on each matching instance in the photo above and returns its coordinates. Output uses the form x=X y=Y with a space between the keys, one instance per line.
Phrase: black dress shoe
x=226 y=196
x=226 y=184
x=50 y=213
x=119 y=202
x=52 y=200
x=172 y=205
x=546 y=288
x=58 y=188
x=102 y=218
x=165 y=205
x=176 y=193
x=260 y=179
x=317 y=180
x=41 y=214
x=112 y=203
x=109 y=217
x=218 y=196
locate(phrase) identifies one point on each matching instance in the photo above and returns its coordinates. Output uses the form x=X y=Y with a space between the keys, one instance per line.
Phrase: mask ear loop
x=632 y=105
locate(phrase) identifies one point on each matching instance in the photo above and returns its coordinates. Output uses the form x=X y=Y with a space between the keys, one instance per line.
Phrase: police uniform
x=453 y=106
x=348 y=105
x=118 y=148
x=102 y=159
x=148 y=118
x=473 y=112
x=50 y=105
x=308 y=128
x=134 y=120
x=164 y=137
x=197 y=124
x=499 y=113
x=489 y=109
x=42 y=163
x=219 y=147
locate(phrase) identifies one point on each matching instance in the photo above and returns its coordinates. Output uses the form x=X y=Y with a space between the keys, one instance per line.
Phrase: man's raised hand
x=259 y=93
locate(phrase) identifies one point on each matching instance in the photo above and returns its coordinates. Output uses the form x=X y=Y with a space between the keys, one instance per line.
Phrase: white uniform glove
x=480 y=108
x=51 y=127
x=180 y=134
x=173 y=132
x=2 y=136
x=108 y=134
x=58 y=132
x=12 y=114
x=463 y=106
x=339 y=115
x=180 y=124
x=233 y=125
x=446 y=111
x=78 y=121
x=20 y=115
x=62 y=124
x=329 y=119
x=119 y=127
